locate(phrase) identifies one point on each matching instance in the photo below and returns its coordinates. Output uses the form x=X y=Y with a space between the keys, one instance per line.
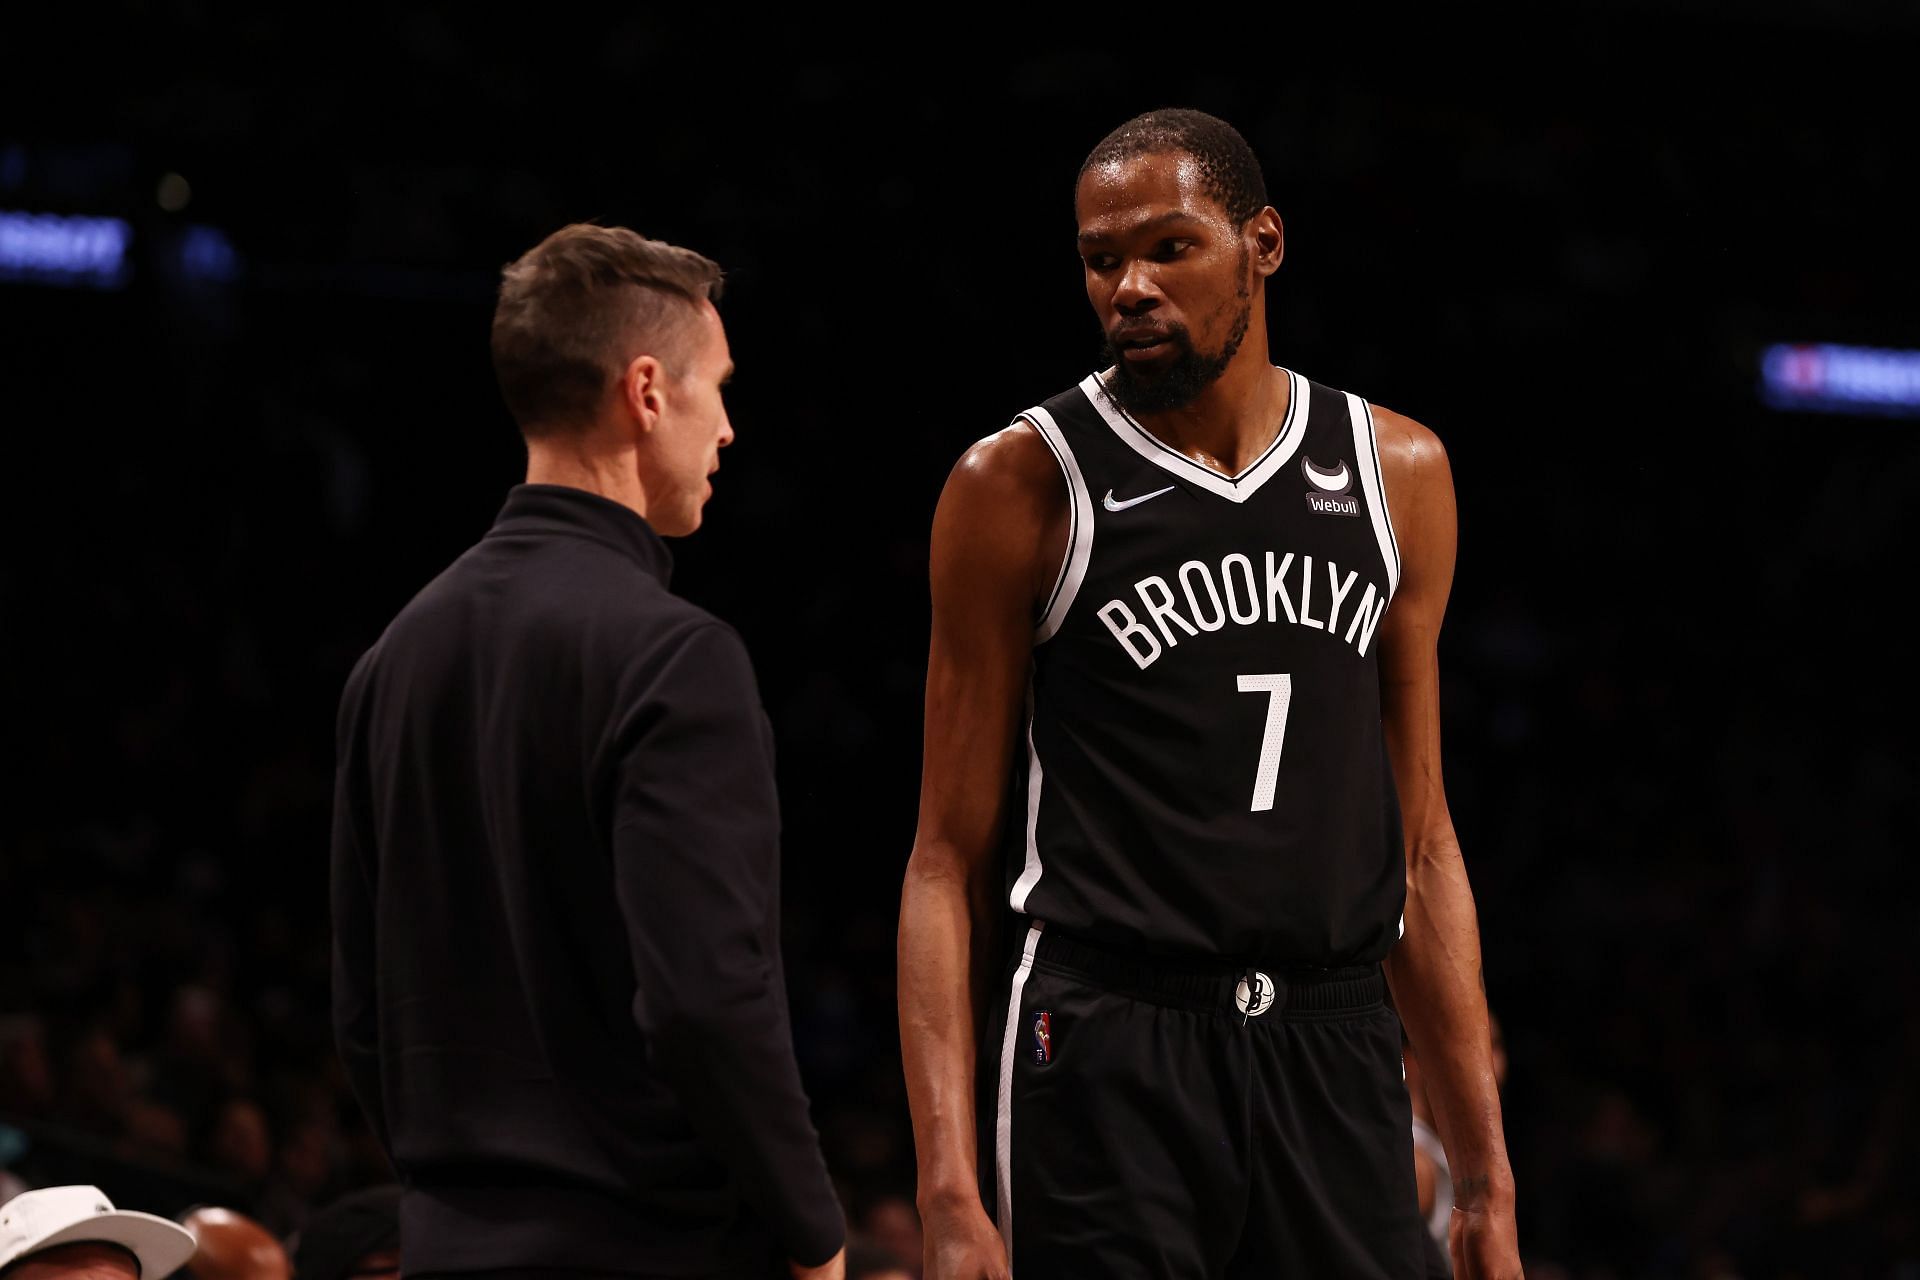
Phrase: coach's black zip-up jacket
x=557 y=978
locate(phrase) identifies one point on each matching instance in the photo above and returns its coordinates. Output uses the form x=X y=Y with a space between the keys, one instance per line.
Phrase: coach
x=557 y=979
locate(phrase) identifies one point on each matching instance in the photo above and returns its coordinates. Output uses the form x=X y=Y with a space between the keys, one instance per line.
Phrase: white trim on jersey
x=1066 y=586
x=1073 y=565
x=1366 y=452
x=1233 y=488
x=1030 y=874
x=1003 y=1107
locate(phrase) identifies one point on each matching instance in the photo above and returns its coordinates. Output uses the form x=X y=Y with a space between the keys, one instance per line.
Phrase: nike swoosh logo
x=1111 y=504
x=1334 y=481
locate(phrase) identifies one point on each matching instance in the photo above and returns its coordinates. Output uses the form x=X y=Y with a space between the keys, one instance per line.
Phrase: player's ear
x=643 y=391
x=1266 y=241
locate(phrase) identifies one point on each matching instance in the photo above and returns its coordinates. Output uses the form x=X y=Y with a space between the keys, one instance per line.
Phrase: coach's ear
x=643 y=392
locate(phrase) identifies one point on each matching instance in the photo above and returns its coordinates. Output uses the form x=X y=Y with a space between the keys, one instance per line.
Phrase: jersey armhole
x=1073 y=565
x=1366 y=454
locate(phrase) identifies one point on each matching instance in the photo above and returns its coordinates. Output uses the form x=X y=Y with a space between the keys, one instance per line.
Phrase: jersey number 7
x=1279 y=691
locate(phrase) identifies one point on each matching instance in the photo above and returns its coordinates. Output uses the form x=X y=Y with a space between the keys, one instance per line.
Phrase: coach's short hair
x=1228 y=166
x=577 y=307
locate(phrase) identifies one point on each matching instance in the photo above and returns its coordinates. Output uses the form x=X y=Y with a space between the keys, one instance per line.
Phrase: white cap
x=36 y=1220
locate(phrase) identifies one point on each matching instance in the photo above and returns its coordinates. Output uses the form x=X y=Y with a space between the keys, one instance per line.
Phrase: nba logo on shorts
x=1043 y=1037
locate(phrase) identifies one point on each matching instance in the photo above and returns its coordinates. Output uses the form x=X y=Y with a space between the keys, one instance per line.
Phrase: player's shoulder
x=1012 y=465
x=1014 y=454
x=1411 y=454
x=1409 y=443
x=1002 y=516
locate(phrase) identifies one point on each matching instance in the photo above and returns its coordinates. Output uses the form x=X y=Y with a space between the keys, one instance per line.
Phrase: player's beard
x=1190 y=372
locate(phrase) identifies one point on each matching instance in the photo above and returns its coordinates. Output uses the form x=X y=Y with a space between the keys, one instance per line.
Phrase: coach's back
x=555 y=880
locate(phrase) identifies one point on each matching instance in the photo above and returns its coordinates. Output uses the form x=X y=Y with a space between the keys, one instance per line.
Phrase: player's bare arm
x=999 y=534
x=1435 y=970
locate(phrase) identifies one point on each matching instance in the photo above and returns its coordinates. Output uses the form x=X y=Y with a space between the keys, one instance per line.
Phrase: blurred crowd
x=77 y=1233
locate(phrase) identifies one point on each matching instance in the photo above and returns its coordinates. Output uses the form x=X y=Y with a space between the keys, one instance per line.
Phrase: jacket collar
x=553 y=508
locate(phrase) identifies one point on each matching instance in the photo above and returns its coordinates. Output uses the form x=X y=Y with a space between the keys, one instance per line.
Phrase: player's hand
x=834 y=1268
x=1484 y=1243
x=961 y=1244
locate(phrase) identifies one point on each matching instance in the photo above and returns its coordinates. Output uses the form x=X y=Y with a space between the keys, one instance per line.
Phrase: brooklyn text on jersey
x=1232 y=592
x=1204 y=765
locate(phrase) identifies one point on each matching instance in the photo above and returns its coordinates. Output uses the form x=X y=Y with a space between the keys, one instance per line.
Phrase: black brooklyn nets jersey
x=1203 y=767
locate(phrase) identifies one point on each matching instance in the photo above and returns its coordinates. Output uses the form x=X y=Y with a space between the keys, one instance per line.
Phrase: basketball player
x=1189 y=607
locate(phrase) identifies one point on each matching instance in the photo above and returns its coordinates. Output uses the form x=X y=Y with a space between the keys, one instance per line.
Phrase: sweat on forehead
x=1123 y=198
x=1228 y=170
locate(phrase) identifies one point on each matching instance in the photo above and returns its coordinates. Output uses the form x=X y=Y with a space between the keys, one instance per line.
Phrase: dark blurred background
x=1676 y=746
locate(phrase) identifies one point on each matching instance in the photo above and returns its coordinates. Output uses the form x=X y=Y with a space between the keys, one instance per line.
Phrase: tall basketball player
x=1184 y=666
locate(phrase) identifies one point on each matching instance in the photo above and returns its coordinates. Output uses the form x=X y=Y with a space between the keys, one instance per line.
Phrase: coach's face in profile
x=681 y=416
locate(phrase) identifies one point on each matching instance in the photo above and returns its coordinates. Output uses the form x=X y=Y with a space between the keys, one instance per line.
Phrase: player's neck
x=577 y=464
x=1233 y=421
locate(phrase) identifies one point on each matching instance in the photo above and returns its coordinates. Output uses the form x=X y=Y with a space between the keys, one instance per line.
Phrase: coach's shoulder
x=669 y=641
x=681 y=634
x=661 y=625
x=350 y=712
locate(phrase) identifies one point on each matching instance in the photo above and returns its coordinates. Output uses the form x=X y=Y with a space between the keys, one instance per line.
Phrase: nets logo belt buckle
x=1254 y=994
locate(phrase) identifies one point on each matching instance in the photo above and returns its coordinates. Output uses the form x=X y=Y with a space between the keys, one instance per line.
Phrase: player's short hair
x=1228 y=166
x=581 y=304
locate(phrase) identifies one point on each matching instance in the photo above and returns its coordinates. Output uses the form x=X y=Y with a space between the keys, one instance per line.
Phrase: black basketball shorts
x=1141 y=1119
